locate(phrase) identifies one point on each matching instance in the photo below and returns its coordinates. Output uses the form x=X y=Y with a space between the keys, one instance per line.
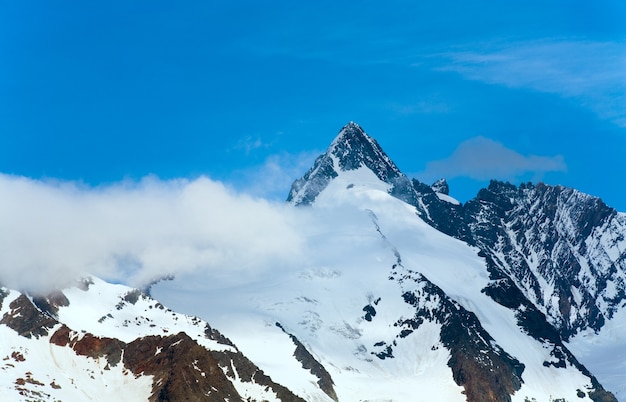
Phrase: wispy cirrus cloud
x=481 y=158
x=590 y=72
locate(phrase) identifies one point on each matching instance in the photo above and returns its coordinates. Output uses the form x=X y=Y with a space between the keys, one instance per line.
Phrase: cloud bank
x=135 y=232
x=480 y=158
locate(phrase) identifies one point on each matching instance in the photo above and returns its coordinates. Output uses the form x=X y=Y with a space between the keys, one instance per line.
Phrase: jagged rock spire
x=351 y=149
x=441 y=186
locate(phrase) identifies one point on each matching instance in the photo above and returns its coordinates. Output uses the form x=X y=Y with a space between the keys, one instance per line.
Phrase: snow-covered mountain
x=101 y=342
x=401 y=294
x=564 y=249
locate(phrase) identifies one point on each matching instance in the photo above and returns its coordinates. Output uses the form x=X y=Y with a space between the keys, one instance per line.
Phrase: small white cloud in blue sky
x=480 y=158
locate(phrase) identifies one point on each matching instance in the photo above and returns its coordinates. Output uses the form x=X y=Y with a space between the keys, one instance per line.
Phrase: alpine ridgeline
x=563 y=249
x=555 y=257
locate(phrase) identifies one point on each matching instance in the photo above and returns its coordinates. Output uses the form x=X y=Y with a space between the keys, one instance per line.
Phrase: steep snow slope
x=363 y=304
x=322 y=302
x=603 y=353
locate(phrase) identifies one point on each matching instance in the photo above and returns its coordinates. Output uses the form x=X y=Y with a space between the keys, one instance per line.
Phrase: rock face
x=563 y=249
x=182 y=369
x=26 y=319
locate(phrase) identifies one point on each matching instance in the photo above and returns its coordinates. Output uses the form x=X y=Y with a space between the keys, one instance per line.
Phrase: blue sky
x=248 y=93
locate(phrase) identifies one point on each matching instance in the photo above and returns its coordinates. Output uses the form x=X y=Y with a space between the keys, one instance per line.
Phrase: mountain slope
x=566 y=252
x=564 y=249
x=387 y=303
x=99 y=341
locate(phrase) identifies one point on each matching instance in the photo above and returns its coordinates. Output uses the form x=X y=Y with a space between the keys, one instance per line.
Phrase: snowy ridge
x=98 y=341
x=34 y=369
x=564 y=250
x=569 y=227
x=120 y=312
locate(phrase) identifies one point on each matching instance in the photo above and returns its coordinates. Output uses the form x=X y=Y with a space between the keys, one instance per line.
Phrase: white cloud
x=590 y=72
x=482 y=159
x=135 y=232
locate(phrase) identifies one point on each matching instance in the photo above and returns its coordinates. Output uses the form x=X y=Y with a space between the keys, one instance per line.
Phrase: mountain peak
x=351 y=149
x=441 y=186
x=351 y=132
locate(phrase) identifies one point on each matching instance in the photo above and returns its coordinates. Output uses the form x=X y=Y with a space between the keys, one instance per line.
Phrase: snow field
x=354 y=234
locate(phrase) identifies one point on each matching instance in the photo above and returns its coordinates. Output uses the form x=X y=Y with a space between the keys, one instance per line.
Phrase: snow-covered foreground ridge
x=400 y=293
x=101 y=342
